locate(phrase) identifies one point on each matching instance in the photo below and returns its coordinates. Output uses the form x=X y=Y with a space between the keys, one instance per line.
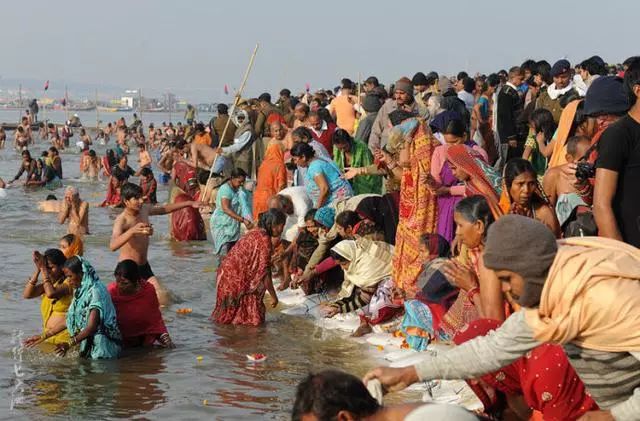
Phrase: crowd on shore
x=498 y=214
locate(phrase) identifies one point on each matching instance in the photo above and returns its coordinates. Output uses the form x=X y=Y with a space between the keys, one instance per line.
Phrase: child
x=148 y=185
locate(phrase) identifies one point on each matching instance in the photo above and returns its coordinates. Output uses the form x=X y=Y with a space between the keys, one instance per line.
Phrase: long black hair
x=74 y=264
x=127 y=269
x=542 y=121
x=270 y=219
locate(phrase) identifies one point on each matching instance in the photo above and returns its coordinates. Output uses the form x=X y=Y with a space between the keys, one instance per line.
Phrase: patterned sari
x=240 y=281
x=417 y=210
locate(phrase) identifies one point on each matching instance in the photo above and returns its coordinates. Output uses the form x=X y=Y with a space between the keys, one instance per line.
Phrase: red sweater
x=326 y=138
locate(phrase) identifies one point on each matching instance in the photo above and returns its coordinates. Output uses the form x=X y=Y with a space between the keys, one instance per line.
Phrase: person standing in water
x=75 y=211
x=131 y=232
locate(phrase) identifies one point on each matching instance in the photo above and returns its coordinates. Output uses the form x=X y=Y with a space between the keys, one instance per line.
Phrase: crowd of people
x=497 y=214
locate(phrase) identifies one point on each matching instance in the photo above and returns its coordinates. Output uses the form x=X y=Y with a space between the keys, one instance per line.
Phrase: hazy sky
x=198 y=46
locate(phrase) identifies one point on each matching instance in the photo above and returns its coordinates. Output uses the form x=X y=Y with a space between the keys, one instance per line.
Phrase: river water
x=174 y=383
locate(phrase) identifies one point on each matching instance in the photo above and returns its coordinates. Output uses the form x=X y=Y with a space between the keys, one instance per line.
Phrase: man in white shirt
x=295 y=203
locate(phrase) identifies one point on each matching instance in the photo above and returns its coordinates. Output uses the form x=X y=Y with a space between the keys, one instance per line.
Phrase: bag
x=580 y=223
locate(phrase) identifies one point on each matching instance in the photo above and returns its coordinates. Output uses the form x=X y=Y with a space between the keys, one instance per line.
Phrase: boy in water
x=131 y=232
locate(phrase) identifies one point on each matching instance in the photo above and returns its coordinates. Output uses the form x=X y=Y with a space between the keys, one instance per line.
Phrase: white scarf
x=555 y=93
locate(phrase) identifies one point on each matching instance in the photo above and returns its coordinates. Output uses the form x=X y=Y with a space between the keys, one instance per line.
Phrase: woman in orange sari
x=272 y=178
x=71 y=245
x=418 y=214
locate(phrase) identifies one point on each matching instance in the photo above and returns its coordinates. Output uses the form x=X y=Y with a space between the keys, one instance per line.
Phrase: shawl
x=370 y=263
x=272 y=177
x=558 y=156
x=92 y=294
x=138 y=314
x=591 y=296
x=76 y=248
x=483 y=179
x=360 y=157
x=557 y=93
x=383 y=211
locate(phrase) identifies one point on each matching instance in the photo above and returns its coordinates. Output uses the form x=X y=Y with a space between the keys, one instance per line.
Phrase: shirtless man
x=131 y=232
x=76 y=211
x=21 y=140
x=556 y=182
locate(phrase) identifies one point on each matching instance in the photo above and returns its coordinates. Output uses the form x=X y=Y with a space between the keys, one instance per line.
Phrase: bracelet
x=33 y=282
x=472 y=292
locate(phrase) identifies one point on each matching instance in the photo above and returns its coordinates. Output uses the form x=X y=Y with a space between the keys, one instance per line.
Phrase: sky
x=196 y=47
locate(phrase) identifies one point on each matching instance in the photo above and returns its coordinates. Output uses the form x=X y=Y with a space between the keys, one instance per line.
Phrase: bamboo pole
x=66 y=104
x=231 y=111
x=97 y=113
x=20 y=104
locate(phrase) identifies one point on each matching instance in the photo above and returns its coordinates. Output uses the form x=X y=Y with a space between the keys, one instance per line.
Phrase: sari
x=417 y=209
x=225 y=229
x=138 y=315
x=76 y=248
x=56 y=307
x=383 y=211
x=113 y=193
x=240 y=281
x=361 y=156
x=483 y=179
x=92 y=294
x=272 y=177
x=559 y=154
x=544 y=376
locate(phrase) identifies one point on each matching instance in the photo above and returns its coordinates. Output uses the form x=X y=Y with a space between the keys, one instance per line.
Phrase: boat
x=107 y=109
x=124 y=109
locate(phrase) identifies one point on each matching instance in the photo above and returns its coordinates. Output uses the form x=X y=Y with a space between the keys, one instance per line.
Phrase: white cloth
x=301 y=205
x=555 y=93
x=439 y=411
x=468 y=99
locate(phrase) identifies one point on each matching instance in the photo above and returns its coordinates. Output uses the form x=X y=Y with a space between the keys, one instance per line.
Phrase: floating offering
x=184 y=310
x=256 y=358
x=380 y=348
x=199 y=358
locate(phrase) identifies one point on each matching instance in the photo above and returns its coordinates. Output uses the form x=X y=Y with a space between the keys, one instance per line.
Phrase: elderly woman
x=137 y=308
x=91 y=319
x=245 y=274
x=227 y=217
x=56 y=293
x=347 y=153
x=323 y=180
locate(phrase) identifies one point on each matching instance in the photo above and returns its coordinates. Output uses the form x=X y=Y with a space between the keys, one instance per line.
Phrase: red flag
x=226 y=89
x=46 y=85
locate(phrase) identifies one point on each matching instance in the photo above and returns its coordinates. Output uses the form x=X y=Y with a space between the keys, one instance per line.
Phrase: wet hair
x=270 y=219
x=74 y=264
x=146 y=172
x=69 y=238
x=469 y=84
x=130 y=191
x=310 y=215
x=92 y=153
x=632 y=77
x=476 y=208
x=55 y=256
x=326 y=393
x=303 y=133
x=51 y=197
x=514 y=168
x=127 y=269
x=455 y=127
x=542 y=121
x=302 y=150
x=572 y=145
x=348 y=219
x=342 y=137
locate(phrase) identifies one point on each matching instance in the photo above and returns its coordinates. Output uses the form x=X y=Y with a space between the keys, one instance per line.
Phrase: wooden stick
x=233 y=108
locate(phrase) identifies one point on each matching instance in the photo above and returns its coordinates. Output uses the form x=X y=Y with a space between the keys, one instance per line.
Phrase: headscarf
x=383 y=211
x=441 y=121
x=591 y=297
x=325 y=216
x=399 y=133
x=558 y=156
x=76 y=248
x=92 y=294
x=483 y=179
x=370 y=263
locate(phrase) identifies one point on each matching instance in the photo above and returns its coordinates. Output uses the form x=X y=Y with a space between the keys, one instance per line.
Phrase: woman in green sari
x=91 y=318
x=351 y=153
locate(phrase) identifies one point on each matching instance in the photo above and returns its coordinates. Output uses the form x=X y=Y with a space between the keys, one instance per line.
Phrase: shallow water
x=163 y=383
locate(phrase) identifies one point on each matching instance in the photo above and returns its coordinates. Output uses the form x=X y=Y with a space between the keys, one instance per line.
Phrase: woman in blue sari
x=91 y=317
x=226 y=218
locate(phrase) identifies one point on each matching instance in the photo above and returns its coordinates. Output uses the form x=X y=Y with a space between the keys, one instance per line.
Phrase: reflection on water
x=163 y=383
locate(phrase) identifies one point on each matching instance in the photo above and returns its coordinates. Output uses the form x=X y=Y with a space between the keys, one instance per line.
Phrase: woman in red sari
x=137 y=308
x=245 y=274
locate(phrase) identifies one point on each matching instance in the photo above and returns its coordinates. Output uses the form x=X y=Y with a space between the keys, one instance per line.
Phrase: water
x=163 y=383
x=89 y=118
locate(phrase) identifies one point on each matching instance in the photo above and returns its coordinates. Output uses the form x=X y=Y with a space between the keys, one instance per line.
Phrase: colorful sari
x=339 y=188
x=93 y=295
x=483 y=179
x=417 y=210
x=56 y=307
x=138 y=315
x=272 y=177
x=240 y=281
x=76 y=248
x=544 y=377
x=383 y=211
x=225 y=229
x=559 y=154
x=361 y=157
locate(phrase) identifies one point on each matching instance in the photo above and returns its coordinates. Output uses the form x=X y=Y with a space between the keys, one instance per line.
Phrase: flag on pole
x=226 y=89
x=307 y=87
x=46 y=85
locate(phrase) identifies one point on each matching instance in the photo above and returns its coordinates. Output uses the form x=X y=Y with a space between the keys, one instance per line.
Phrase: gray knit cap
x=524 y=246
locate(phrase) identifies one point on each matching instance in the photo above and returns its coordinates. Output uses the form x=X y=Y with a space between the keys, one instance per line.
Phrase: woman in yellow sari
x=56 y=293
x=418 y=210
x=71 y=245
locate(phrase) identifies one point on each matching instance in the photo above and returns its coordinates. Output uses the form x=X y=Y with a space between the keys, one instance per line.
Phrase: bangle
x=472 y=292
x=33 y=282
